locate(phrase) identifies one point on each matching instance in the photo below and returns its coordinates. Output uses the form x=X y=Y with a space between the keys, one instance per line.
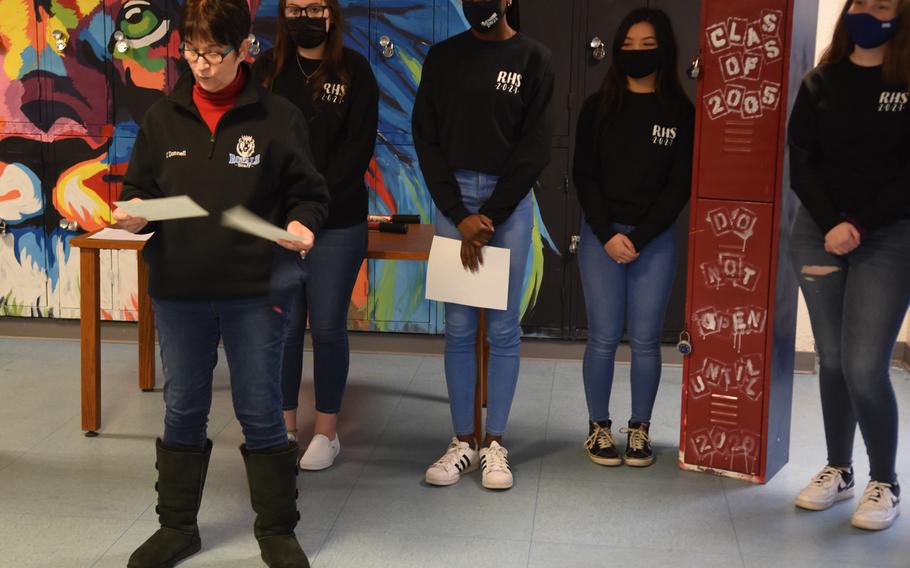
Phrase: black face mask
x=484 y=15
x=307 y=32
x=638 y=63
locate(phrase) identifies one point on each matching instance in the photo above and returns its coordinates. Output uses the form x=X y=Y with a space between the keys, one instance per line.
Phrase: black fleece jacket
x=258 y=158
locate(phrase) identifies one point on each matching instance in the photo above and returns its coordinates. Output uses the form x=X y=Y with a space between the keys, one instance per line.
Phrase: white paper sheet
x=163 y=209
x=120 y=235
x=242 y=219
x=449 y=281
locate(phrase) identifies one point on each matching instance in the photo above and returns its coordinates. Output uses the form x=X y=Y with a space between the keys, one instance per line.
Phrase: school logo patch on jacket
x=244 y=158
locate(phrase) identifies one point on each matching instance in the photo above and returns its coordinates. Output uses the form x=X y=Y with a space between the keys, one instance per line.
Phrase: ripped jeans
x=856 y=306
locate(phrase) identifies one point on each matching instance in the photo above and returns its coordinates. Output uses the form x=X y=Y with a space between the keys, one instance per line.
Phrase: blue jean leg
x=320 y=292
x=503 y=326
x=189 y=332
x=188 y=336
x=617 y=293
x=856 y=306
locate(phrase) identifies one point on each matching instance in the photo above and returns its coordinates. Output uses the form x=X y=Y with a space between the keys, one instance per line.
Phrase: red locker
x=741 y=297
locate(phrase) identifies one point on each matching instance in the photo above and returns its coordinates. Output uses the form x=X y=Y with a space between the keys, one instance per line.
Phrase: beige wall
x=828 y=14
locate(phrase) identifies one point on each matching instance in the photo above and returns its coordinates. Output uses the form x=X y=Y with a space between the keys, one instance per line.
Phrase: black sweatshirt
x=484 y=106
x=850 y=147
x=634 y=167
x=342 y=125
x=258 y=158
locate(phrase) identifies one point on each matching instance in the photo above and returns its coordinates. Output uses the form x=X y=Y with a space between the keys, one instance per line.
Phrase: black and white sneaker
x=459 y=458
x=879 y=506
x=601 y=446
x=638 y=445
x=494 y=464
x=829 y=486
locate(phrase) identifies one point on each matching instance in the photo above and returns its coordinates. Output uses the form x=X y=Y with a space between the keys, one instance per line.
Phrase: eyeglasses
x=311 y=11
x=211 y=57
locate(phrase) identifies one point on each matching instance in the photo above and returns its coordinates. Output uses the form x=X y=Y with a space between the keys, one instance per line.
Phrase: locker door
x=547 y=313
x=73 y=70
x=730 y=299
x=20 y=82
x=23 y=248
x=145 y=64
x=400 y=33
x=78 y=175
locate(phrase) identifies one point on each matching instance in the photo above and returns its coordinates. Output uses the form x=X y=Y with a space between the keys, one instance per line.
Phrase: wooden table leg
x=146 y=329
x=90 y=338
x=482 y=351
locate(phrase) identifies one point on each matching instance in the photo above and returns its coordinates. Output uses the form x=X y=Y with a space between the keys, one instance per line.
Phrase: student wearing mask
x=335 y=89
x=632 y=172
x=224 y=141
x=850 y=164
x=482 y=129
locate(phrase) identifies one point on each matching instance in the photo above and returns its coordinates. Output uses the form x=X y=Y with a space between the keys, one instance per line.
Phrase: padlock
x=685 y=343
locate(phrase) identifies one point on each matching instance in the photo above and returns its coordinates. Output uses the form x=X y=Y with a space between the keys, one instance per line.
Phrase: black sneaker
x=638 y=445
x=600 y=445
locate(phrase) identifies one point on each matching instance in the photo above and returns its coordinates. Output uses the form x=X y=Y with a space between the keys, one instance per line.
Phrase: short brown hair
x=225 y=22
x=896 y=69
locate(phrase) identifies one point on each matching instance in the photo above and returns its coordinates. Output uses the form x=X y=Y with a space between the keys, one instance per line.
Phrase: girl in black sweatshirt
x=482 y=130
x=850 y=167
x=337 y=92
x=633 y=164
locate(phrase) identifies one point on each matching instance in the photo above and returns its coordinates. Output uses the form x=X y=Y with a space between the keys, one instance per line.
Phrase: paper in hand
x=163 y=209
x=449 y=281
x=242 y=219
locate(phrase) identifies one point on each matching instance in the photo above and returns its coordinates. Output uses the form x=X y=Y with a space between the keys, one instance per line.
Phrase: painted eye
x=141 y=23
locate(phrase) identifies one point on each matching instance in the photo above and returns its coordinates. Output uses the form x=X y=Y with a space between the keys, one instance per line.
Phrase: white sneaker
x=826 y=488
x=878 y=507
x=460 y=458
x=321 y=453
x=495 y=467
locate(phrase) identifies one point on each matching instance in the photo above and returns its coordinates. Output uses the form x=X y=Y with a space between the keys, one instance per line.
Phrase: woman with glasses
x=224 y=141
x=335 y=89
x=482 y=129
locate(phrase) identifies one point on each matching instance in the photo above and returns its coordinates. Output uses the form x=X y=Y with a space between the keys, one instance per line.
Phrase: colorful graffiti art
x=76 y=78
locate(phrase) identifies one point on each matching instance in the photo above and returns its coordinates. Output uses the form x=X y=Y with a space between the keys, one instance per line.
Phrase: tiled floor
x=70 y=501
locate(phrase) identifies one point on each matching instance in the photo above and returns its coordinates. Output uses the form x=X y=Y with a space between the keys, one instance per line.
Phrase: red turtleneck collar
x=212 y=106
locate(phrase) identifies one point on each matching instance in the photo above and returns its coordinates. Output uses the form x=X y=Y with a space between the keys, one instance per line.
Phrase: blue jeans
x=319 y=288
x=503 y=326
x=615 y=294
x=189 y=333
x=856 y=311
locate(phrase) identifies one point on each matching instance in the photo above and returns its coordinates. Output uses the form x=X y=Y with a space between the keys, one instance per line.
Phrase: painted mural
x=75 y=79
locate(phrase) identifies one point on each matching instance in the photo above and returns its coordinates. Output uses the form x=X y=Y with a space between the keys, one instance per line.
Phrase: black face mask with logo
x=483 y=15
x=307 y=32
x=639 y=63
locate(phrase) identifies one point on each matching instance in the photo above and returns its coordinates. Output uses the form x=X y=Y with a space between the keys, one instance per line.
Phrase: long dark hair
x=669 y=89
x=332 y=68
x=513 y=16
x=896 y=68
